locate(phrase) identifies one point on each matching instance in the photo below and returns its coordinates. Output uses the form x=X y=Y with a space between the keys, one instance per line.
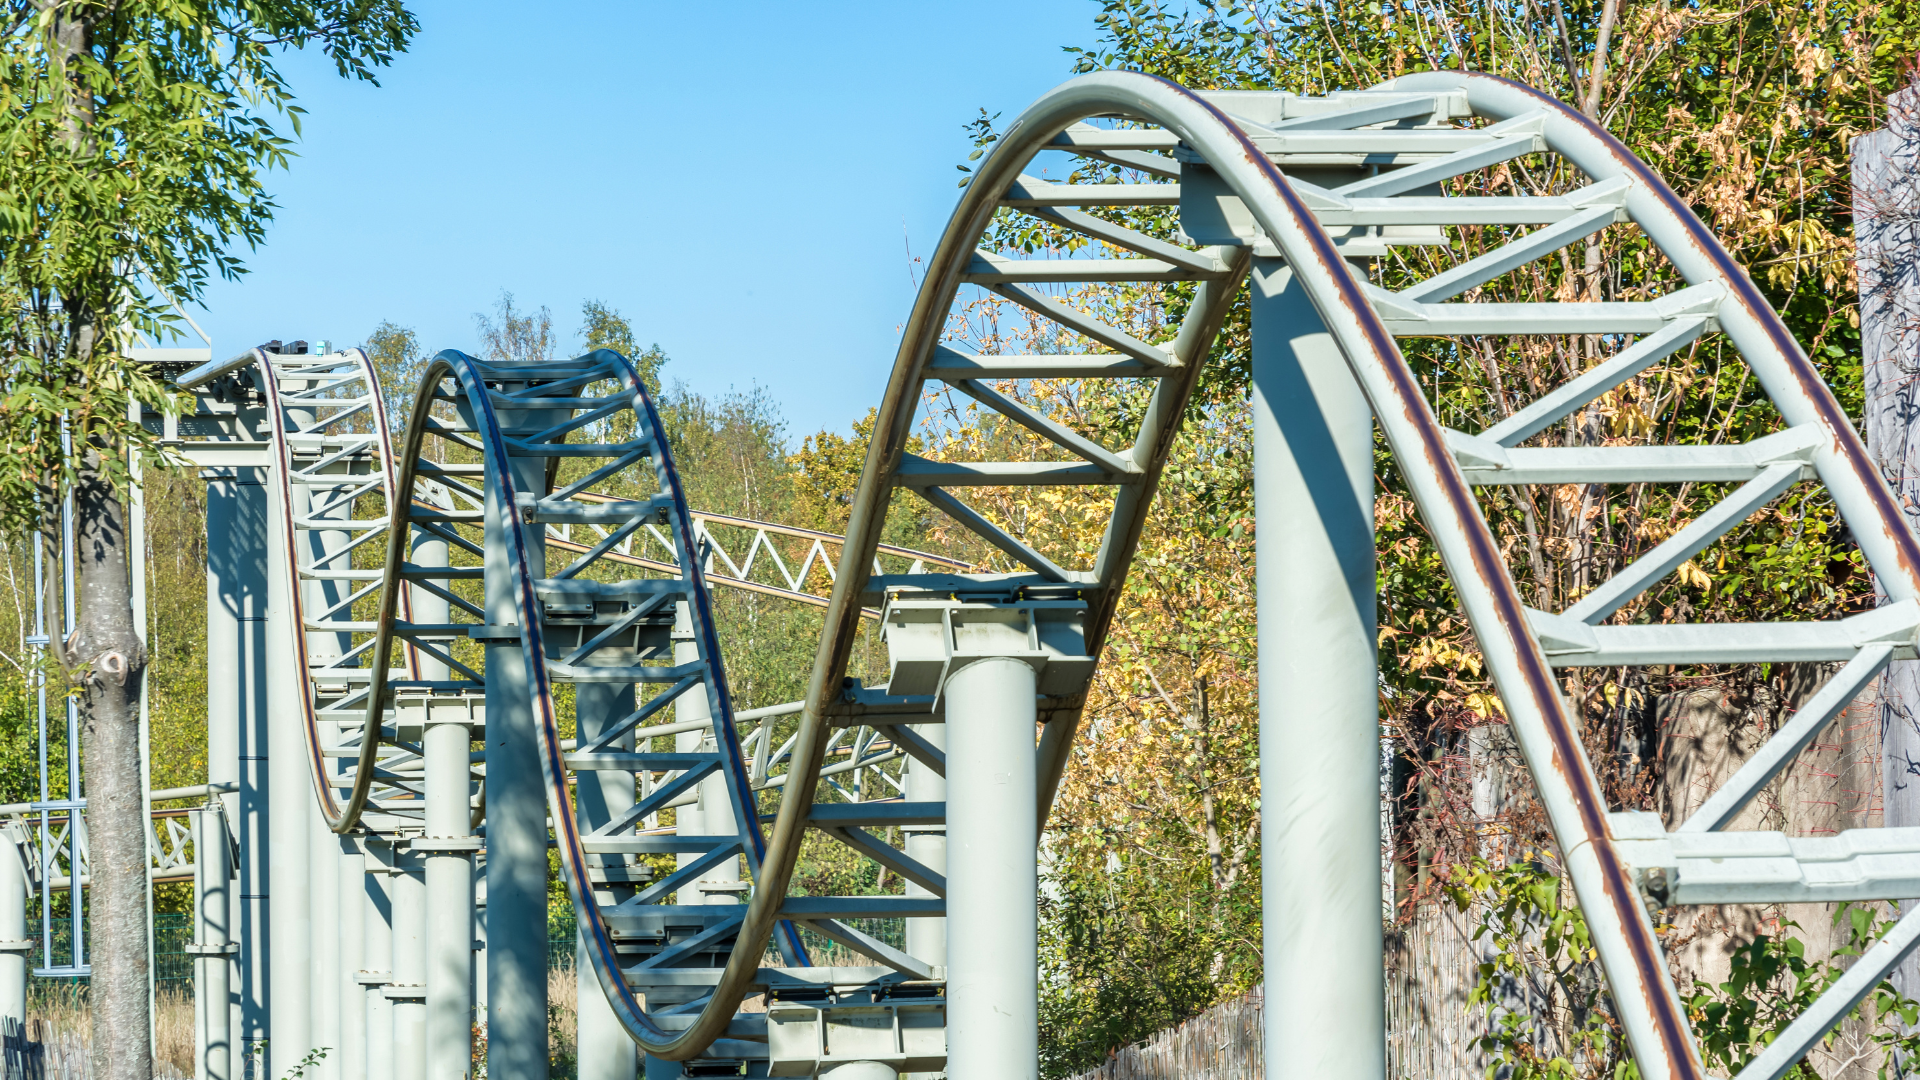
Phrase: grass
x=65 y=1025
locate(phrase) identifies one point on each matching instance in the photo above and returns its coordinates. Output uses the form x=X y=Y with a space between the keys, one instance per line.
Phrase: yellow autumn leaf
x=1690 y=573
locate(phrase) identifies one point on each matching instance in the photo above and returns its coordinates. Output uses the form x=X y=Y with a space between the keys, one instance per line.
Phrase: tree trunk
x=1886 y=213
x=104 y=657
x=107 y=661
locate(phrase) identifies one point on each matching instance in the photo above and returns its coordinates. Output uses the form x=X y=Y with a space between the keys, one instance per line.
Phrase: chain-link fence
x=172 y=966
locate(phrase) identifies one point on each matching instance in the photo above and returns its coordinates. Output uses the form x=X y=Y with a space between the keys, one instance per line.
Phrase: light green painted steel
x=1251 y=174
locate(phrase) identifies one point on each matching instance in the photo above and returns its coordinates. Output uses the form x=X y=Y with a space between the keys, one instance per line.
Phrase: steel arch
x=1522 y=646
x=1406 y=124
x=314 y=404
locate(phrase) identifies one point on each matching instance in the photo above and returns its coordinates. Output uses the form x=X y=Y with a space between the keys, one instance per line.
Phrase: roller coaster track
x=1408 y=138
x=1243 y=170
x=328 y=427
x=373 y=676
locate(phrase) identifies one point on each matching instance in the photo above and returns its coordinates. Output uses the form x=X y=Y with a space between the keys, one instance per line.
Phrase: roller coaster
x=519 y=568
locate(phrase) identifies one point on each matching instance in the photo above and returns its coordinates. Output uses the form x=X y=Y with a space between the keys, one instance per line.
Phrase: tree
x=134 y=135
x=397 y=359
x=515 y=338
x=603 y=327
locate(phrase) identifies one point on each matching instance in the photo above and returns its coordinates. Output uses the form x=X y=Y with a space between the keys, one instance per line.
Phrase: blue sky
x=743 y=181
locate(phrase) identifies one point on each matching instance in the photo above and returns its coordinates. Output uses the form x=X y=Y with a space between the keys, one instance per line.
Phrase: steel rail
x=1781 y=365
x=1521 y=646
x=1652 y=1015
x=340 y=816
x=797 y=532
x=510 y=538
x=747 y=584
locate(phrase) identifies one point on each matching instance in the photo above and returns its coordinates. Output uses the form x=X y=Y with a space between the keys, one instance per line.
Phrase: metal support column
x=449 y=858
x=1319 y=709
x=350 y=884
x=333 y=974
x=237 y=724
x=480 y=942
x=604 y=1051
x=449 y=885
x=516 y=805
x=15 y=945
x=408 y=991
x=376 y=943
x=861 y=1070
x=927 y=845
x=212 y=945
x=993 y=970
x=712 y=812
x=330 y=971
x=289 y=822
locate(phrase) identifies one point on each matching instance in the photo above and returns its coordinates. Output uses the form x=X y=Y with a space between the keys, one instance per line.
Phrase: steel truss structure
x=522 y=558
x=1293 y=189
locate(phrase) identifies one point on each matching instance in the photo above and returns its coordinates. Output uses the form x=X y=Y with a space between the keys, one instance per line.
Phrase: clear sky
x=743 y=181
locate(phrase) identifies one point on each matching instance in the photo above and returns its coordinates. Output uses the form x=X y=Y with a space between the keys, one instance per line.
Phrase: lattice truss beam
x=538 y=507
x=598 y=578
x=1330 y=185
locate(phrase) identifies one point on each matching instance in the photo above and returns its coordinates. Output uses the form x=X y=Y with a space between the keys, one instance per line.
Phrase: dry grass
x=64 y=1016
x=563 y=1019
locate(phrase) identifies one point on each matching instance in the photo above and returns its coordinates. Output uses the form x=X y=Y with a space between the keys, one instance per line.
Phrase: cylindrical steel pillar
x=927 y=938
x=604 y=1051
x=710 y=814
x=993 y=967
x=237 y=725
x=861 y=1070
x=449 y=869
x=330 y=970
x=376 y=943
x=480 y=942
x=212 y=933
x=289 y=821
x=408 y=990
x=350 y=883
x=449 y=885
x=516 y=802
x=1319 y=704
x=15 y=945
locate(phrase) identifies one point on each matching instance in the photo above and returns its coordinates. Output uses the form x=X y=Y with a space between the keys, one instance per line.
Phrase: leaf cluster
x=134 y=137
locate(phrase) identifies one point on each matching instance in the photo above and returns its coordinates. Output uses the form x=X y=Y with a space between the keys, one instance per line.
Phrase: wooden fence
x=1223 y=1043
x=37 y=1050
x=1431 y=968
x=1431 y=1033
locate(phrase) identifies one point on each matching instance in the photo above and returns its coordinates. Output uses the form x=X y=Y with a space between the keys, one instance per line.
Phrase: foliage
x=398 y=361
x=512 y=337
x=604 y=328
x=1774 y=981
x=311 y=1061
x=1541 y=985
x=133 y=139
x=1550 y=1017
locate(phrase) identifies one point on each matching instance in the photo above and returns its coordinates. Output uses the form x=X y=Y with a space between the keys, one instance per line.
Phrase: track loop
x=335 y=487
